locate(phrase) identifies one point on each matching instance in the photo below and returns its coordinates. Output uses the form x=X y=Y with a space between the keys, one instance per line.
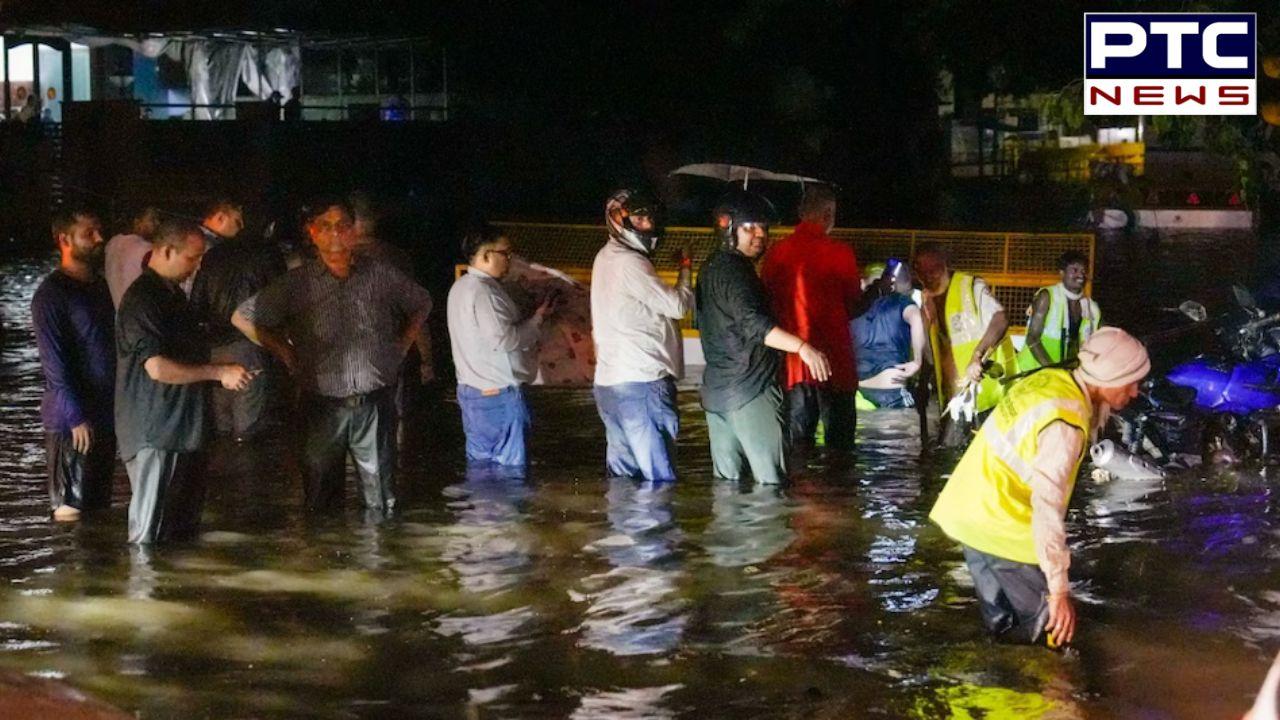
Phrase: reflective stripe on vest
x=986 y=503
x=1005 y=444
x=1056 y=323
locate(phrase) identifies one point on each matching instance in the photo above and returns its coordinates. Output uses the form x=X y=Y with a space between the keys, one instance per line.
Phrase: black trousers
x=242 y=413
x=362 y=426
x=168 y=495
x=807 y=403
x=80 y=480
x=1013 y=596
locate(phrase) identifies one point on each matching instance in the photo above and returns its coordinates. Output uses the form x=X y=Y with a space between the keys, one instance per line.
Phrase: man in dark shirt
x=342 y=324
x=740 y=389
x=223 y=219
x=162 y=365
x=231 y=272
x=73 y=319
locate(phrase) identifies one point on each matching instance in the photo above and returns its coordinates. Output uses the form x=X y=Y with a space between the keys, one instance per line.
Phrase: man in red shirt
x=814 y=284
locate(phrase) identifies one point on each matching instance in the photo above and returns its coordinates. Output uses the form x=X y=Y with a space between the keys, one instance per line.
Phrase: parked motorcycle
x=1219 y=407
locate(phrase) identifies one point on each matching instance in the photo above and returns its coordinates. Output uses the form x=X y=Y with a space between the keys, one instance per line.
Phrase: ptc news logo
x=1170 y=64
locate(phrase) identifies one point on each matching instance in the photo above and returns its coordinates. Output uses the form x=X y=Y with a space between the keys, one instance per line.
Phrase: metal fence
x=1013 y=264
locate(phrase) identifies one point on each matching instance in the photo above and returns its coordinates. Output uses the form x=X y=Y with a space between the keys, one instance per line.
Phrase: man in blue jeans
x=494 y=352
x=635 y=320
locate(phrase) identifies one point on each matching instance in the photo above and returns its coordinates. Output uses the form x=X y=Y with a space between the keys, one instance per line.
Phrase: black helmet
x=617 y=217
x=738 y=207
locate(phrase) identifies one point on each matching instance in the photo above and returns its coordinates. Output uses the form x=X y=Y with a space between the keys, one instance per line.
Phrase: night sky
x=840 y=90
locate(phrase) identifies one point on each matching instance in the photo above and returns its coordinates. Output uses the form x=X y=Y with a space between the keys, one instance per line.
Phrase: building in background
x=223 y=74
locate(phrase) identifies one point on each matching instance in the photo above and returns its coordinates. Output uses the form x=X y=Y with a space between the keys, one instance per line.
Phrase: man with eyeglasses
x=341 y=324
x=494 y=352
x=741 y=342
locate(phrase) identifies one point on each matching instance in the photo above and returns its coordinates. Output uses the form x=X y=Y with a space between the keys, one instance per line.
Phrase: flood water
x=569 y=595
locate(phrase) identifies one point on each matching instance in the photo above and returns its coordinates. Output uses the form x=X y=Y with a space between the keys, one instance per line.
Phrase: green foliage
x=1066 y=108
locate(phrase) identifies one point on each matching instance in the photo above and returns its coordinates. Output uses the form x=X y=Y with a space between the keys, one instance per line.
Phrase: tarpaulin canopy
x=216 y=67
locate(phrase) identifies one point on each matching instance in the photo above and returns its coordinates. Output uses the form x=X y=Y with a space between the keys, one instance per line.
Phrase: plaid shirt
x=346 y=332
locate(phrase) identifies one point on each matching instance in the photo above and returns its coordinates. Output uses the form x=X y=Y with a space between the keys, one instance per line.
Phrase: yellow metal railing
x=1013 y=264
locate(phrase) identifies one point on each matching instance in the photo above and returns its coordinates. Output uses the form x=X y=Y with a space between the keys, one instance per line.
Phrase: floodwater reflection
x=564 y=594
x=634 y=607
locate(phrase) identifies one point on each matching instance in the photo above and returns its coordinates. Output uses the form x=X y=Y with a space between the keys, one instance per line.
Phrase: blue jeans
x=896 y=398
x=495 y=424
x=640 y=425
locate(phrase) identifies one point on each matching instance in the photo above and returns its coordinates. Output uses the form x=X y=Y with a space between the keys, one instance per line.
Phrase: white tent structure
x=217 y=64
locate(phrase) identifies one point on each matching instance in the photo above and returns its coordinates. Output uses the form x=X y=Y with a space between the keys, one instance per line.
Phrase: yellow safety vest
x=986 y=503
x=1056 y=323
x=964 y=329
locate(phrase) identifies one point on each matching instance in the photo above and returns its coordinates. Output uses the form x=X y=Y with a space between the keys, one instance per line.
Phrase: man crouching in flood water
x=1007 y=499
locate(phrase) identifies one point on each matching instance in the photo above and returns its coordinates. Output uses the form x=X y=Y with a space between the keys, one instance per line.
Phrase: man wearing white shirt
x=126 y=253
x=493 y=352
x=635 y=323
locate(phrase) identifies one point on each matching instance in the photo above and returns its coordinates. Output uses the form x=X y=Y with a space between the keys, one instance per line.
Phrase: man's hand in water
x=1062 y=619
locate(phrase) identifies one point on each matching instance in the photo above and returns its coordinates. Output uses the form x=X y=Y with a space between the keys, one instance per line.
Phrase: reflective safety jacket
x=1057 y=322
x=965 y=329
x=986 y=503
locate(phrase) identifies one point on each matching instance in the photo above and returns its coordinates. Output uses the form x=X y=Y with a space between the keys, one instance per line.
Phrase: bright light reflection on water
x=567 y=595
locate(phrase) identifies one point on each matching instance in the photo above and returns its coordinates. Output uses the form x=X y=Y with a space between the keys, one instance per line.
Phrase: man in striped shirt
x=341 y=324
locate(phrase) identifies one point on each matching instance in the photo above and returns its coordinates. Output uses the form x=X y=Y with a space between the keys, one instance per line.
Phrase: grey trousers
x=168 y=495
x=756 y=432
x=1013 y=596
x=240 y=414
x=363 y=427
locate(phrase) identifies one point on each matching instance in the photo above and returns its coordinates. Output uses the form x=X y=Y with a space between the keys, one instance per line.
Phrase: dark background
x=553 y=104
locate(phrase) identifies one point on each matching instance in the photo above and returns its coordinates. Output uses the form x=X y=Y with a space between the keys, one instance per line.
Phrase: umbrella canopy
x=731 y=173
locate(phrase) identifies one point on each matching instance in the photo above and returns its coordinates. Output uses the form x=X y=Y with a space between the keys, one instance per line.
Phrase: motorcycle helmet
x=625 y=204
x=736 y=208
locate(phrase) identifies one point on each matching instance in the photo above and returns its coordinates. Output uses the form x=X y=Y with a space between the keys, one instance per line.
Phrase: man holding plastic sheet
x=494 y=352
x=1006 y=501
x=740 y=341
x=635 y=319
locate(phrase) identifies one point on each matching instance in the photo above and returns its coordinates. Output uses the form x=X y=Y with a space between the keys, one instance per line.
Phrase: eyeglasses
x=327 y=227
x=504 y=253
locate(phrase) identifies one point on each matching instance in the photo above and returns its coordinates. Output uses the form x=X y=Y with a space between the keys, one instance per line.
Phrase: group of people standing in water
x=795 y=340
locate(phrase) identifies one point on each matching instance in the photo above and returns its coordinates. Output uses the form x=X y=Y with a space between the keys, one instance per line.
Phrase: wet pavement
x=569 y=595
